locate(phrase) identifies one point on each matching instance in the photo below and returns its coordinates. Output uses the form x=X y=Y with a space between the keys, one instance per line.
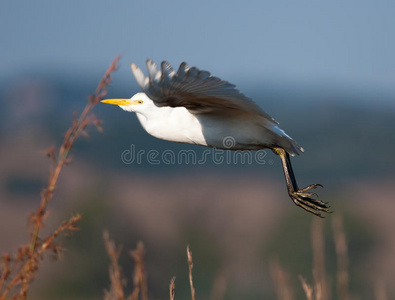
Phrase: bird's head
x=139 y=103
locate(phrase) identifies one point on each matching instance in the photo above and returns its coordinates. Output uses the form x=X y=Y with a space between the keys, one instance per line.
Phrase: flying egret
x=192 y=106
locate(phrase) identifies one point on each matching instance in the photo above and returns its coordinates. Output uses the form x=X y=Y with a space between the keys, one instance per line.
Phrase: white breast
x=173 y=124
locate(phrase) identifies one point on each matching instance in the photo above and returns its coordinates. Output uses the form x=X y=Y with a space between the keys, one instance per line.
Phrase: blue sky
x=350 y=42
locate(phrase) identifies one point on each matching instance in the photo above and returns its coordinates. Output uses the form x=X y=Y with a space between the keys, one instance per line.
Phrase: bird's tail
x=284 y=141
x=294 y=148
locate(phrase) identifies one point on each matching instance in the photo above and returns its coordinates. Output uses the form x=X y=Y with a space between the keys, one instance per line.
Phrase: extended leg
x=301 y=197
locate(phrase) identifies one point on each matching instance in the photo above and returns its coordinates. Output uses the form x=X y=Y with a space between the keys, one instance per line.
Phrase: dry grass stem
x=135 y=294
x=76 y=130
x=140 y=278
x=117 y=282
x=6 y=259
x=319 y=273
x=308 y=290
x=190 y=265
x=26 y=268
x=172 y=288
x=342 y=257
x=281 y=280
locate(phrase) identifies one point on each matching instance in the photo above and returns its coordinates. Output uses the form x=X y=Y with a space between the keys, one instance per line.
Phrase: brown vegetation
x=318 y=290
x=20 y=267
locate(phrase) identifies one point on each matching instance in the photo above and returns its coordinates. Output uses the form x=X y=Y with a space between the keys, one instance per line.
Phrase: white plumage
x=192 y=106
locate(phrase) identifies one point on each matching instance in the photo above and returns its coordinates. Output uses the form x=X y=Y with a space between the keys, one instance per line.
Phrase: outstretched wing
x=195 y=90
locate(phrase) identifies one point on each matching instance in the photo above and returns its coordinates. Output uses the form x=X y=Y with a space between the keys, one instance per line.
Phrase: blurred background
x=324 y=69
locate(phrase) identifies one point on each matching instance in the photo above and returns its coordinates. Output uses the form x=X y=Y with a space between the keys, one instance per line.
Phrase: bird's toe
x=309 y=201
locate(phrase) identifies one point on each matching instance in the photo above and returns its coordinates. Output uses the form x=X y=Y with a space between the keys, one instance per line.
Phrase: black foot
x=306 y=200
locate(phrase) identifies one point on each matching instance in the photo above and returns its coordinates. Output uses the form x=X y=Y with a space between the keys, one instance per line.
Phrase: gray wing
x=196 y=90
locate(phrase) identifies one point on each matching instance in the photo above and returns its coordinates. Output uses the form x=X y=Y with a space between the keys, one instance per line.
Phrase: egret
x=192 y=106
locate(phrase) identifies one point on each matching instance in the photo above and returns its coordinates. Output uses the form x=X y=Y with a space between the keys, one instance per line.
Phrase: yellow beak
x=124 y=102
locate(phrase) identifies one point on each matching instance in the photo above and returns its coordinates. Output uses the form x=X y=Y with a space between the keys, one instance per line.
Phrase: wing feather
x=196 y=90
x=153 y=72
x=142 y=81
x=182 y=70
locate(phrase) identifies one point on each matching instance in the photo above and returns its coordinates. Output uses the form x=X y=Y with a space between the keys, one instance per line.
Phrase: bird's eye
x=140 y=102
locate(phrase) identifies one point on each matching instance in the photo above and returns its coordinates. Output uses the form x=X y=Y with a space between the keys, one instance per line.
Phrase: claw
x=310 y=187
x=304 y=199
x=307 y=208
x=306 y=194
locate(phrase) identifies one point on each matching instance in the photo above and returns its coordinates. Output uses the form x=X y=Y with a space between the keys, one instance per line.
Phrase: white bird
x=192 y=106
